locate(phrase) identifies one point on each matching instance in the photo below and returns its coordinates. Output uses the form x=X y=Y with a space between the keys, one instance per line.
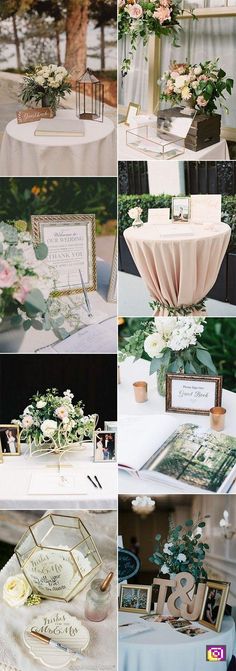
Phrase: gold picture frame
x=140 y=598
x=9 y=447
x=112 y=290
x=131 y=107
x=42 y=226
x=183 y=202
x=200 y=387
x=212 y=613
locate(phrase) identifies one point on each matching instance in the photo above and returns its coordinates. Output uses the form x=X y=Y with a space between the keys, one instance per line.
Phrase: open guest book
x=60 y=127
x=191 y=457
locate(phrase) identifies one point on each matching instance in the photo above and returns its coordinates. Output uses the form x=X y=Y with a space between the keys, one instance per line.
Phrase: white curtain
x=207 y=39
x=134 y=86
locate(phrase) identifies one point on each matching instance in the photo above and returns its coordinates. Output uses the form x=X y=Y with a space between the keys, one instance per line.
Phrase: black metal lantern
x=89 y=97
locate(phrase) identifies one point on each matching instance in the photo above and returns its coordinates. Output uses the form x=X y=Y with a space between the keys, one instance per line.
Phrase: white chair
x=158 y=215
x=206 y=209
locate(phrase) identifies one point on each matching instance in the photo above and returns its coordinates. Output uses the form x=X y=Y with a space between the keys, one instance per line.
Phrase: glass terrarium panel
x=86 y=557
x=62 y=537
x=65 y=520
x=154 y=144
x=25 y=547
x=41 y=528
x=52 y=573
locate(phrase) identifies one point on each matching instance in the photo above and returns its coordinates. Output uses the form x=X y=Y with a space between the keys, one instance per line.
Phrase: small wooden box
x=204 y=131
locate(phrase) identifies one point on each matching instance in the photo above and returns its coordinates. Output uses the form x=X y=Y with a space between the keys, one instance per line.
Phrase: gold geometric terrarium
x=58 y=556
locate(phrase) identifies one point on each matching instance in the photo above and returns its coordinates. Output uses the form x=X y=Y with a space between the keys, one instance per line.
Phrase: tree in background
x=104 y=14
x=76 y=36
x=9 y=9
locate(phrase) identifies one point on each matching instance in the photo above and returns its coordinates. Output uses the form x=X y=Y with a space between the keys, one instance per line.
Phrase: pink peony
x=135 y=11
x=165 y=3
x=201 y=101
x=7 y=274
x=162 y=14
x=21 y=291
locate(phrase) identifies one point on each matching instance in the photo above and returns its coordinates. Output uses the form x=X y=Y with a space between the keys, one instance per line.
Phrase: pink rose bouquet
x=197 y=86
x=139 y=19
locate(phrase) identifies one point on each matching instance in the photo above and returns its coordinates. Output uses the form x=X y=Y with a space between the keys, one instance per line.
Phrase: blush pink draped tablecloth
x=179 y=263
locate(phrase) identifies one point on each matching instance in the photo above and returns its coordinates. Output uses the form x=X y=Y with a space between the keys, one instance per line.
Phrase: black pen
x=97 y=480
x=93 y=483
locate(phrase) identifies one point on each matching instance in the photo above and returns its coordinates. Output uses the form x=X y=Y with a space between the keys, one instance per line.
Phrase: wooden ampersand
x=189 y=608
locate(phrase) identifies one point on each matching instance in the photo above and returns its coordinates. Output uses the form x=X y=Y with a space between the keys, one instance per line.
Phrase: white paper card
x=193 y=395
x=67 y=253
x=206 y=209
x=54 y=485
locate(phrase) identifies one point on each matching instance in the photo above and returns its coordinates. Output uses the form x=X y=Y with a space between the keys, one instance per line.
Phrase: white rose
x=154 y=344
x=165 y=569
x=27 y=421
x=181 y=81
x=16 y=590
x=134 y=212
x=48 y=427
x=40 y=404
x=194 y=84
x=198 y=70
x=181 y=557
x=39 y=80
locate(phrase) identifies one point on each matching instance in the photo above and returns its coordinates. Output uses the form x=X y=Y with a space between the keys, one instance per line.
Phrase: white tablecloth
x=130 y=372
x=99 y=656
x=161 y=648
x=24 y=154
x=217 y=152
x=16 y=475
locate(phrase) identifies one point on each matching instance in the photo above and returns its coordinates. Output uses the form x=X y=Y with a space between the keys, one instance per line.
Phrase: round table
x=179 y=263
x=161 y=648
x=24 y=154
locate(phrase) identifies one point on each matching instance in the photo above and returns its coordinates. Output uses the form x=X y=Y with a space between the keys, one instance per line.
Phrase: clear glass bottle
x=97 y=602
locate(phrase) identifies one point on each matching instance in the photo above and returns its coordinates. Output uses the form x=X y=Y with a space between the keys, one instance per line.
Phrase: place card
x=62 y=628
x=194 y=394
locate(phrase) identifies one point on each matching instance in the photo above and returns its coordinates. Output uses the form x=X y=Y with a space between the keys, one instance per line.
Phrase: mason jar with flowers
x=53 y=423
x=46 y=84
x=172 y=345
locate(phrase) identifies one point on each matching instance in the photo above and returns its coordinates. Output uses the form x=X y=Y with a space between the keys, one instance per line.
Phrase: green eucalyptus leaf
x=41 y=251
x=35 y=302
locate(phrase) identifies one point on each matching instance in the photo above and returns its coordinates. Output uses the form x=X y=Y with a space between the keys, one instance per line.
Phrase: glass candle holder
x=217 y=418
x=140 y=391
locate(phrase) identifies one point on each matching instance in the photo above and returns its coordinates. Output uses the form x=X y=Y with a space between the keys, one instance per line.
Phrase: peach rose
x=201 y=101
x=7 y=275
x=135 y=11
x=21 y=291
x=162 y=14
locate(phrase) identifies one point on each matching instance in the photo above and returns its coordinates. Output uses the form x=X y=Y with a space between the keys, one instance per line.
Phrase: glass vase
x=161 y=380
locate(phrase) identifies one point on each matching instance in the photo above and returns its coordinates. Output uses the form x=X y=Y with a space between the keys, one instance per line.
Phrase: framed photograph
x=180 y=210
x=214 y=603
x=105 y=446
x=193 y=394
x=132 y=111
x=112 y=291
x=71 y=243
x=136 y=598
x=110 y=425
x=9 y=440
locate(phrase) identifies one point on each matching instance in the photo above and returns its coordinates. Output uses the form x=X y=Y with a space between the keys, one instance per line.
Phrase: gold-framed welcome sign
x=193 y=394
x=71 y=243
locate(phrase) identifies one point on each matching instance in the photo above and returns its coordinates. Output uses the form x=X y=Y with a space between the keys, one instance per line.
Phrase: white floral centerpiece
x=199 y=86
x=135 y=214
x=184 y=549
x=172 y=345
x=53 y=423
x=46 y=84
